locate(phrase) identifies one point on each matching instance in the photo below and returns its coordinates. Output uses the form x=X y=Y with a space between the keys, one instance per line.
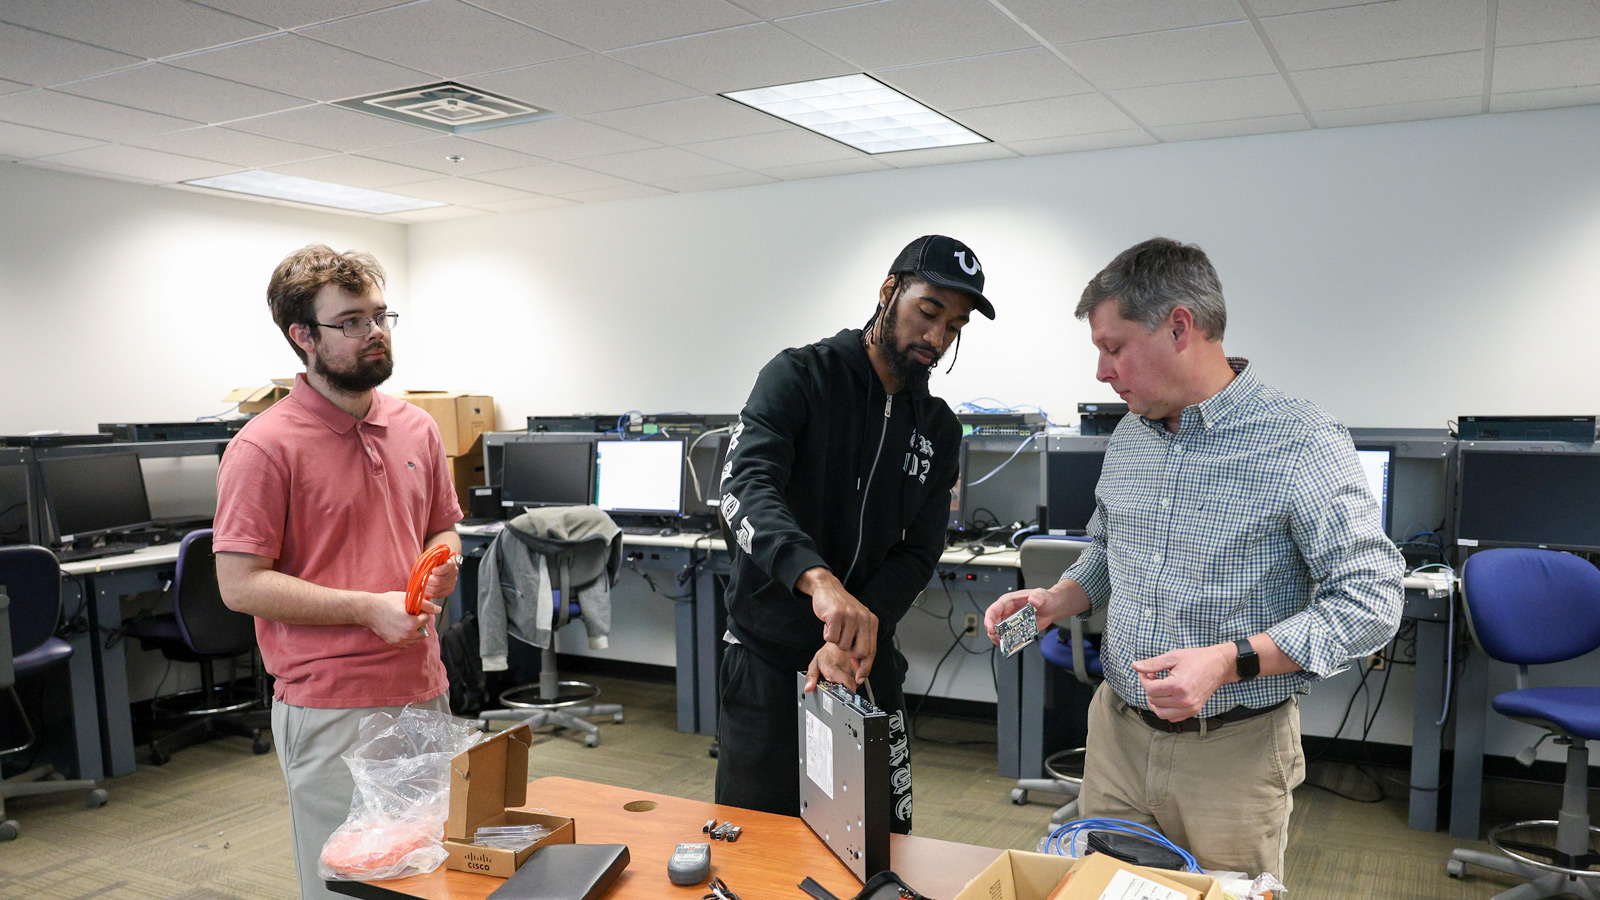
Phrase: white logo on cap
x=961 y=257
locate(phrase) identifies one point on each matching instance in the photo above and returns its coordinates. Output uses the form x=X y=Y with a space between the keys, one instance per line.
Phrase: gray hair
x=1151 y=279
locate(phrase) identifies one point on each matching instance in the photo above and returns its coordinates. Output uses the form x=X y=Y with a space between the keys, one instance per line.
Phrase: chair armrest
x=1079 y=670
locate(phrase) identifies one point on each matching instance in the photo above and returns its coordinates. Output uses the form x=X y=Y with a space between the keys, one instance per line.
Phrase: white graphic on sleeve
x=747 y=533
x=975 y=268
x=733 y=439
x=919 y=459
x=727 y=471
x=730 y=507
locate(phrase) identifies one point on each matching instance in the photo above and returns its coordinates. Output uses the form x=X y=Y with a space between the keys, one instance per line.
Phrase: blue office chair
x=1540 y=606
x=201 y=629
x=30 y=606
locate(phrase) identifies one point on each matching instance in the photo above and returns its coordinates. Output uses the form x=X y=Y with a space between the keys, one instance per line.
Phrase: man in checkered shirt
x=1238 y=554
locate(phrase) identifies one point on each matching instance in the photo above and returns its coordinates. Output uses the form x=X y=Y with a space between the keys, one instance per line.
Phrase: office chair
x=553 y=701
x=1066 y=647
x=1540 y=606
x=201 y=629
x=30 y=606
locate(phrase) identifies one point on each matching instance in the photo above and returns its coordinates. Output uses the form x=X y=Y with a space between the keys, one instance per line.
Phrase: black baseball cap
x=946 y=262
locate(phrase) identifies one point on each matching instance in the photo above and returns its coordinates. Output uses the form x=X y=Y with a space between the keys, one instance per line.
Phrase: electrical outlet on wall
x=971 y=626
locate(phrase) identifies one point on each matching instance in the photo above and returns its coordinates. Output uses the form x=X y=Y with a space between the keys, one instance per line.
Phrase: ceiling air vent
x=448 y=107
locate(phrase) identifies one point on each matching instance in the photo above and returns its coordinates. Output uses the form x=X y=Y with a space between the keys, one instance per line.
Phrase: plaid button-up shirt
x=1254 y=517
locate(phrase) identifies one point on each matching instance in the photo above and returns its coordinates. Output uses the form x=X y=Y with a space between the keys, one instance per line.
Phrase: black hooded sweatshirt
x=825 y=468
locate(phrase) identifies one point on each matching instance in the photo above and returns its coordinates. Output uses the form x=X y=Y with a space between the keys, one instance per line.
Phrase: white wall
x=121 y=302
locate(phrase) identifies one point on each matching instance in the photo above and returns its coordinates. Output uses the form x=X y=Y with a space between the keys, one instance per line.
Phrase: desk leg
x=684 y=614
x=1425 y=733
x=1466 y=795
x=710 y=622
x=1008 y=713
x=1030 y=749
x=111 y=677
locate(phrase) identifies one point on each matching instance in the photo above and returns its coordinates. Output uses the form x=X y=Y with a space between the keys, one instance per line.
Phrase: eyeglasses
x=362 y=327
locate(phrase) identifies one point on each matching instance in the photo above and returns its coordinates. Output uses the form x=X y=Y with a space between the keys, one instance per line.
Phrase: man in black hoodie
x=836 y=492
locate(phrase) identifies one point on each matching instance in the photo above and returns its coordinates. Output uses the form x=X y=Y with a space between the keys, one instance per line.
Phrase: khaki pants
x=1225 y=796
x=309 y=743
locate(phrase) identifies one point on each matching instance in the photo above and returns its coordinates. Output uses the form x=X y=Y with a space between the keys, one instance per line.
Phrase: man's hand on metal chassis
x=1179 y=682
x=833 y=664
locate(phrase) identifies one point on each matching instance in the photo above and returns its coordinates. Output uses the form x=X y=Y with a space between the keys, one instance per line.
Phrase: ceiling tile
x=299 y=13
x=475 y=157
x=1233 y=128
x=625 y=192
x=583 y=84
x=435 y=214
x=1105 y=140
x=90 y=118
x=1376 y=32
x=1286 y=7
x=826 y=169
x=461 y=191
x=657 y=165
x=355 y=171
x=1059 y=22
x=12 y=87
x=715 y=182
x=990 y=80
x=608 y=24
x=1541 y=66
x=1398 y=81
x=696 y=119
x=736 y=59
x=777 y=9
x=22 y=142
x=44 y=59
x=562 y=139
x=1056 y=117
x=780 y=148
x=1534 y=21
x=1209 y=101
x=1400 y=112
x=906 y=32
x=445 y=37
x=177 y=92
x=938 y=156
x=140 y=164
x=1574 y=96
x=530 y=203
x=251 y=151
x=335 y=128
x=144 y=28
x=552 y=178
x=296 y=65
x=1170 y=57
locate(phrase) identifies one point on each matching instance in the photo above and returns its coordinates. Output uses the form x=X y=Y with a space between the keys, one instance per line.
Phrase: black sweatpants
x=758 y=737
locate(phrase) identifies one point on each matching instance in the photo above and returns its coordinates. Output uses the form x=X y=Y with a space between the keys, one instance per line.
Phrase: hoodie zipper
x=861 y=522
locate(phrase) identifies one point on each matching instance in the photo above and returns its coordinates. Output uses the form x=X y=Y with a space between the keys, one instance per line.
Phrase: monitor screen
x=14 y=511
x=639 y=476
x=1528 y=498
x=1377 y=463
x=958 y=516
x=94 y=494
x=547 y=473
x=707 y=460
x=1070 y=480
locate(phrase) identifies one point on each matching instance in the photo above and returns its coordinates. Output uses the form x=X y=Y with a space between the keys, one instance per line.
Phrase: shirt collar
x=329 y=414
x=1216 y=407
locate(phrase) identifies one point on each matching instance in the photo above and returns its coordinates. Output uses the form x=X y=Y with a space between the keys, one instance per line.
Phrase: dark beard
x=902 y=366
x=365 y=375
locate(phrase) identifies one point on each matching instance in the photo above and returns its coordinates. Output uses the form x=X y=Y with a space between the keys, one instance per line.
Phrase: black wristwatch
x=1248 y=664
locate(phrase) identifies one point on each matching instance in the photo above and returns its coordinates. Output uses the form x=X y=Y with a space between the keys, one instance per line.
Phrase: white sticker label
x=1125 y=885
x=819 y=753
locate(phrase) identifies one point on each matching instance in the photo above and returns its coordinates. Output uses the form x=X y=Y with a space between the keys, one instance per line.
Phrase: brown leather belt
x=1237 y=714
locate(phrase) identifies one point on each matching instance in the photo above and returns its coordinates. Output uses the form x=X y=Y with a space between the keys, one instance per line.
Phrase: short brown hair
x=1151 y=279
x=292 y=292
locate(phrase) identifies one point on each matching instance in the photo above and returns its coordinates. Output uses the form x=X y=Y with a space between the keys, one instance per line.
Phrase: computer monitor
x=958 y=510
x=1070 y=479
x=643 y=477
x=14 y=509
x=1377 y=463
x=706 y=460
x=547 y=473
x=1528 y=498
x=96 y=494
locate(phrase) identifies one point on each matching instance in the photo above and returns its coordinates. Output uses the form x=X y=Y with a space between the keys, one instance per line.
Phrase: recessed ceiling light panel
x=316 y=193
x=860 y=111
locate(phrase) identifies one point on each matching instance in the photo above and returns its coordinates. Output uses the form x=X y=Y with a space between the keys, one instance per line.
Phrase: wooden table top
x=771 y=857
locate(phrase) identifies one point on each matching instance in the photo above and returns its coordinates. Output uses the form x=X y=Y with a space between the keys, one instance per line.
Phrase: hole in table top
x=639 y=806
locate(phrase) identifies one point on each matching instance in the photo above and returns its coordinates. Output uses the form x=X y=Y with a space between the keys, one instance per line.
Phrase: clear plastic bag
x=401 y=767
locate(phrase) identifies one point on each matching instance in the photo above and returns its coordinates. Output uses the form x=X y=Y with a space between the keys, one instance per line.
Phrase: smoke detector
x=449 y=107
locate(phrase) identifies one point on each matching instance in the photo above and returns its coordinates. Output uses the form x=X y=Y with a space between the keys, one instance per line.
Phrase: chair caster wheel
x=1455 y=868
x=159 y=757
x=96 y=799
x=617 y=718
x=591 y=740
x=261 y=746
x=9 y=829
x=711 y=751
x=1019 y=797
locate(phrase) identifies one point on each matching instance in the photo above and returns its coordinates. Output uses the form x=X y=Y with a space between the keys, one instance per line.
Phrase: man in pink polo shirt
x=324 y=502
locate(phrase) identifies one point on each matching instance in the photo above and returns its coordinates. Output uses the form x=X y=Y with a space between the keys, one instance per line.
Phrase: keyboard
x=645 y=529
x=74 y=554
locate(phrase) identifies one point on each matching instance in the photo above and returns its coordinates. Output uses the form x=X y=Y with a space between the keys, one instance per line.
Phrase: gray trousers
x=309 y=742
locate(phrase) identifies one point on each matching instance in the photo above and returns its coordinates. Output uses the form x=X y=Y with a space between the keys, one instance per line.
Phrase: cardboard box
x=461 y=417
x=466 y=473
x=1019 y=875
x=252 y=400
x=485 y=783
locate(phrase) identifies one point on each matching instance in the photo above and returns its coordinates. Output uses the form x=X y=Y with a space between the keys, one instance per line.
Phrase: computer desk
x=772 y=856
